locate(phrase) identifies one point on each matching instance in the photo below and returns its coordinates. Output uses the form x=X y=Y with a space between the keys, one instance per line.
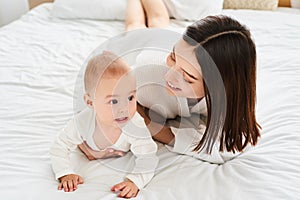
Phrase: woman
x=211 y=78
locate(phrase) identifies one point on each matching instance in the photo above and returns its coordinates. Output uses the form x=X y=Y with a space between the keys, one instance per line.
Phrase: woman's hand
x=93 y=155
x=69 y=182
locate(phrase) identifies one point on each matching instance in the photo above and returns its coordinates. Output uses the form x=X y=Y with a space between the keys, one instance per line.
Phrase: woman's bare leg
x=157 y=13
x=135 y=16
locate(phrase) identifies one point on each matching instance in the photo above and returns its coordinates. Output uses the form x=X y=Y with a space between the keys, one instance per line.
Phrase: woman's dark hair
x=224 y=44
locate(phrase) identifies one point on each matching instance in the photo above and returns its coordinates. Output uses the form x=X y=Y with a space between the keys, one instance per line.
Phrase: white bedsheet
x=39 y=60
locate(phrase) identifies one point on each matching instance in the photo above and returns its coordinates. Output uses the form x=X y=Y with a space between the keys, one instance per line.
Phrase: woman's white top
x=151 y=93
x=134 y=137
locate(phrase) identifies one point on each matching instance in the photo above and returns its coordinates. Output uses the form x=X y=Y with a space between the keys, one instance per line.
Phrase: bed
x=40 y=58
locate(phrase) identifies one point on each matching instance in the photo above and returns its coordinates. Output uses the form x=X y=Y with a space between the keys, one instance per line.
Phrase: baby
x=109 y=121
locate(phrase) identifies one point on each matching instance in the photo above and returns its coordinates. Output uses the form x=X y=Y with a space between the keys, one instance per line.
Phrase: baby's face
x=115 y=100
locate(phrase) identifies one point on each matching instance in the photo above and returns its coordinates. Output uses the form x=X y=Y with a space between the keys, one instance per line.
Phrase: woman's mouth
x=171 y=86
x=122 y=119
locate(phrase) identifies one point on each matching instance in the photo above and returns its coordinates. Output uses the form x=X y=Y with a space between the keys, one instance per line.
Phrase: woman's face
x=184 y=78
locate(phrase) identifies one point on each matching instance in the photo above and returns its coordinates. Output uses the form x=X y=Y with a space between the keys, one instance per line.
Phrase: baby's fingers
x=65 y=185
x=124 y=192
x=75 y=183
x=130 y=194
x=59 y=186
x=70 y=184
x=80 y=180
x=118 y=187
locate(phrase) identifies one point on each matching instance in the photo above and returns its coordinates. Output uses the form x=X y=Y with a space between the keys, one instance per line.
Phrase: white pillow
x=89 y=9
x=193 y=9
x=251 y=4
x=115 y=9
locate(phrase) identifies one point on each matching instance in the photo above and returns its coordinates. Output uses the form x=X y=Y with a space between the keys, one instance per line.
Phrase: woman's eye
x=172 y=56
x=131 y=98
x=186 y=79
x=114 y=101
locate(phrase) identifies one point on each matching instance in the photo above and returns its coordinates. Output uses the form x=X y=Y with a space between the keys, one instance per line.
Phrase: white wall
x=11 y=10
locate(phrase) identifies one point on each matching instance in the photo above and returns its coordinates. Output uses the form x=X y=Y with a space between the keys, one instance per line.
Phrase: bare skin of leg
x=135 y=16
x=157 y=13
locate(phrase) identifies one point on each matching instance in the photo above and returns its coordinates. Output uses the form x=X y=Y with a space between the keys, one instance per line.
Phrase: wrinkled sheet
x=40 y=58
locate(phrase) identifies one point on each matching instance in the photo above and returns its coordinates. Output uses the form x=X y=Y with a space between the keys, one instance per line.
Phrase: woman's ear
x=88 y=100
x=170 y=61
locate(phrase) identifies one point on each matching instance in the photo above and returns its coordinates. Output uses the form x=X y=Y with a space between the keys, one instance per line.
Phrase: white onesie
x=134 y=137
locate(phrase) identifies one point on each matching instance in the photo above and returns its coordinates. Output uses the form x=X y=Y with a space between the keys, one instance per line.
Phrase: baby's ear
x=88 y=100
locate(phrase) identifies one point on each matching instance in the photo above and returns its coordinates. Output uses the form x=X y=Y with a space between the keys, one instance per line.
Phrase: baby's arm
x=66 y=141
x=144 y=149
x=142 y=173
x=145 y=164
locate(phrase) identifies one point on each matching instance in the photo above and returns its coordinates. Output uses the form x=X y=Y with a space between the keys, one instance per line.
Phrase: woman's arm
x=158 y=131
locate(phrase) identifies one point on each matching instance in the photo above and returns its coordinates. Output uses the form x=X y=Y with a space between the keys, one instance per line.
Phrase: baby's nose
x=123 y=109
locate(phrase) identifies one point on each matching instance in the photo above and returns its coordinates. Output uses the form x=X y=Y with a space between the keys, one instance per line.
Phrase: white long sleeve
x=143 y=148
x=135 y=137
x=75 y=132
x=65 y=142
x=187 y=138
x=152 y=94
x=146 y=161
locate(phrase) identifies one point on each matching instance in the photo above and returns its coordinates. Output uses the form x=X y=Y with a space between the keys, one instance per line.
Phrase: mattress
x=40 y=58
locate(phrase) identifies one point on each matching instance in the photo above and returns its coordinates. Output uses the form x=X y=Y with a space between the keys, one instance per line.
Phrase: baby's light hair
x=105 y=65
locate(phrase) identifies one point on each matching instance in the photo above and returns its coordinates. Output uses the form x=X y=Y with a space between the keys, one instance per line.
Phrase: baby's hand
x=69 y=182
x=128 y=189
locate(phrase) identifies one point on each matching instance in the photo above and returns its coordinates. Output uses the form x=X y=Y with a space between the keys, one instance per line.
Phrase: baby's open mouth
x=122 y=119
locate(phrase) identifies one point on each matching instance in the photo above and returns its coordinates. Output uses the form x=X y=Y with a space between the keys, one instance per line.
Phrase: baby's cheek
x=132 y=111
x=105 y=113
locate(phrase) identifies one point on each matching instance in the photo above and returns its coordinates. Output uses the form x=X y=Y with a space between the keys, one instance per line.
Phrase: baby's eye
x=131 y=98
x=114 y=101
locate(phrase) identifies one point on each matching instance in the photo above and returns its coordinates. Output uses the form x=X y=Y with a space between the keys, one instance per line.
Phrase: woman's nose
x=173 y=74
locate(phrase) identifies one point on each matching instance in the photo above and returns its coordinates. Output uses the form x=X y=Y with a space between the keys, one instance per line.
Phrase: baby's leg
x=135 y=17
x=156 y=12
